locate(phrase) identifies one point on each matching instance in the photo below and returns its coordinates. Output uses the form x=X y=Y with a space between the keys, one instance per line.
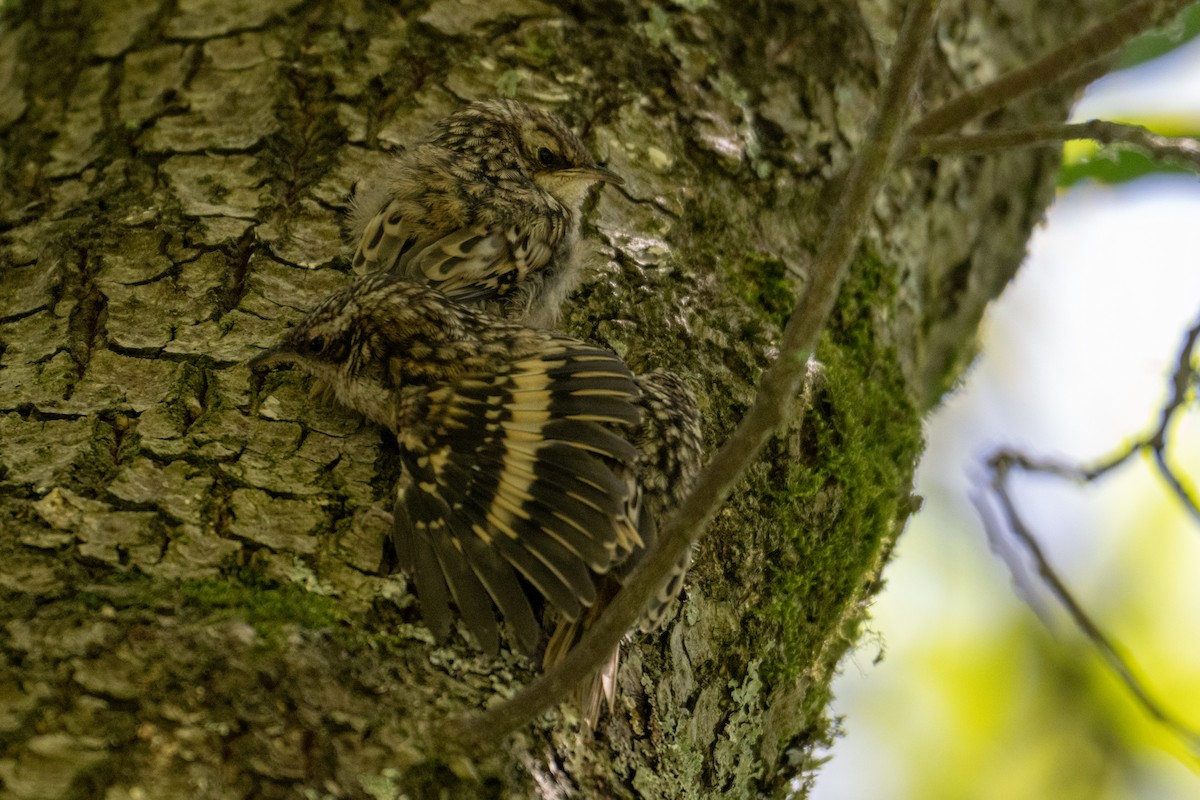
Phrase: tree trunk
x=191 y=598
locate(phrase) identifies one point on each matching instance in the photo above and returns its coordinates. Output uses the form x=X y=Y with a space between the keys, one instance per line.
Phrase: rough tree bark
x=190 y=602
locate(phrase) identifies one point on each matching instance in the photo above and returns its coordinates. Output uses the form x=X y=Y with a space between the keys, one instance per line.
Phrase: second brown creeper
x=518 y=468
x=486 y=209
x=669 y=444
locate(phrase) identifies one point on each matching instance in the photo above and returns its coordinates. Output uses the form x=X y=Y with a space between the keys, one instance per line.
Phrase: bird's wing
x=526 y=475
x=472 y=262
x=387 y=239
x=484 y=262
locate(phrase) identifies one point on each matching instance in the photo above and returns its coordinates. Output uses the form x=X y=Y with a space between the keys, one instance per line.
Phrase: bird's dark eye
x=546 y=156
x=316 y=345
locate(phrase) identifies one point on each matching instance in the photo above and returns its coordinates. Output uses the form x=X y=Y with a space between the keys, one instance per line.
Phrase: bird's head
x=367 y=340
x=512 y=135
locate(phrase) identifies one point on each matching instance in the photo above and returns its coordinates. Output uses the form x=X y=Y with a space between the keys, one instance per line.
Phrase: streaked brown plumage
x=518 y=465
x=486 y=209
x=670 y=445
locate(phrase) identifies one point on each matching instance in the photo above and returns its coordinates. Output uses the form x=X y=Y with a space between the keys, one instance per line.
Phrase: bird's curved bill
x=271 y=357
x=594 y=173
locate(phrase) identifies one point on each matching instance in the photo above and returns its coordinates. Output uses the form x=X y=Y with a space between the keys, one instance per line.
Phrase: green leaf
x=1152 y=44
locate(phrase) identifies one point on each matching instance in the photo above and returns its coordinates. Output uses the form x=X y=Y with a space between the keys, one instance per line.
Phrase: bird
x=519 y=483
x=670 y=447
x=486 y=208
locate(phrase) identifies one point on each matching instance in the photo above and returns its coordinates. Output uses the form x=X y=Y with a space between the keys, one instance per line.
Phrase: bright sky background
x=1074 y=364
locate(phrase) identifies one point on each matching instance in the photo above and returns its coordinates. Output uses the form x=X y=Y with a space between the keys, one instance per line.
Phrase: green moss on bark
x=267 y=607
x=839 y=505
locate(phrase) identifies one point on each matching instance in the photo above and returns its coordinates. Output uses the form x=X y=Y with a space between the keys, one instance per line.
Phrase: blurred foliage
x=1159 y=42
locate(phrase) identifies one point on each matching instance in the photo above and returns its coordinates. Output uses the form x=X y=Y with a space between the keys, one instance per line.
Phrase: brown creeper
x=515 y=443
x=485 y=208
x=669 y=445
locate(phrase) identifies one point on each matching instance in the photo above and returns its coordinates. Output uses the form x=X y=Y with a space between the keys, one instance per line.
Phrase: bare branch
x=1178 y=484
x=771 y=408
x=1004 y=462
x=1024 y=583
x=1181 y=382
x=1110 y=651
x=1183 y=151
x=1091 y=50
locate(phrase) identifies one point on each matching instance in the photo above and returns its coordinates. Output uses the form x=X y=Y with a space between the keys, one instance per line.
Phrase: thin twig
x=1183 y=151
x=1003 y=546
x=1155 y=441
x=1098 y=43
x=1181 y=382
x=770 y=410
x=1003 y=462
x=1177 y=484
x=1109 y=650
